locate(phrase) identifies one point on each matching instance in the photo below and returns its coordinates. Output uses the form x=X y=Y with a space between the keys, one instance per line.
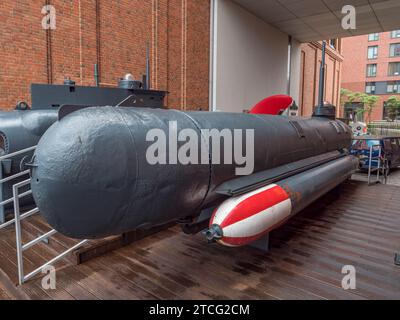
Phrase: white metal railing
x=17 y=153
x=23 y=247
x=3 y=180
x=15 y=176
x=19 y=217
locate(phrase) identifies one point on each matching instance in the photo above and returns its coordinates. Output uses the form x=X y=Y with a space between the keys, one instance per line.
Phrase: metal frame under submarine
x=22 y=128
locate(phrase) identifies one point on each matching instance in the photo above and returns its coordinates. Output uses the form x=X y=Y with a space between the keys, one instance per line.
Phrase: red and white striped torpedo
x=244 y=219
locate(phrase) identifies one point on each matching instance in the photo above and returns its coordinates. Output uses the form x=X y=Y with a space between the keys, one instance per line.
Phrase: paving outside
x=394 y=178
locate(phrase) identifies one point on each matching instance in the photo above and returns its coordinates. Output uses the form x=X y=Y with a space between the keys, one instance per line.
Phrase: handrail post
x=18 y=237
x=2 y=209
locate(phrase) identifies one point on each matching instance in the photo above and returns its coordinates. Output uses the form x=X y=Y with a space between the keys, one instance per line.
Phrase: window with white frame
x=372 y=52
x=395 y=50
x=395 y=34
x=394 y=69
x=393 y=86
x=370 y=87
x=371 y=70
x=373 y=37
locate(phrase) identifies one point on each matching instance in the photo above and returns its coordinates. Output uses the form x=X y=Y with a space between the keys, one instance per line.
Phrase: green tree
x=393 y=107
x=370 y=102
x=355 y=97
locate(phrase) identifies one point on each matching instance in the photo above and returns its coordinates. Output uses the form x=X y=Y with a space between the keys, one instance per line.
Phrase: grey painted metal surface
x=307 y=187
x=242 y=185
x=54 y=96
x=20 y=130
x=301 y=189
x=23 y=129
x=91 y=178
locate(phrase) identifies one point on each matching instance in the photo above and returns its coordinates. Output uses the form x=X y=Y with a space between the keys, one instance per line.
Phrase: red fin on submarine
x=274 y=105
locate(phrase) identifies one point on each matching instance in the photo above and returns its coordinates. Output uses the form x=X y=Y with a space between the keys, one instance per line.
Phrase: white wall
x=250 y=59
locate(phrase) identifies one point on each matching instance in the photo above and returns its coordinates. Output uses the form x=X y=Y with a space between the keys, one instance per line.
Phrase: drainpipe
x=213 y=54
x=96 y=75
x=148 y=70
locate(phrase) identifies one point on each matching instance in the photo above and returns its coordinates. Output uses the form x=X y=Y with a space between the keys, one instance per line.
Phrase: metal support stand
x=22 y=278
x=261 y=244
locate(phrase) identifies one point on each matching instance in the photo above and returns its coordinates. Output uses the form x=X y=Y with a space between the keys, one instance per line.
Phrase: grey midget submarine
x=91 y=177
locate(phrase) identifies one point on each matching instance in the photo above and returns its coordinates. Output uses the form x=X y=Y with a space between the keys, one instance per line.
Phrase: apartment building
x=372 y=65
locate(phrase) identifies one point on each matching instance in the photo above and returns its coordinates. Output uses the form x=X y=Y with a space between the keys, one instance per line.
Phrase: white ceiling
x=311 y=20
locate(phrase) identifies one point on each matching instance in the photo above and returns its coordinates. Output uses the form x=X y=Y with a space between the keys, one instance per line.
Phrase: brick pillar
x=197 y=55
x=89 y=42
x=160 y=44
x=174 y=33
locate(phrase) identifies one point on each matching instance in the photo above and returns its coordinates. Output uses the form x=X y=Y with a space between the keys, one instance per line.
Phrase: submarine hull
x=91 y=177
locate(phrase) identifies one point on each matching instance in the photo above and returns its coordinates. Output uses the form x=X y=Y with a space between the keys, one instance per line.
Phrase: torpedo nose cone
x=83 y=173
x=242 y=220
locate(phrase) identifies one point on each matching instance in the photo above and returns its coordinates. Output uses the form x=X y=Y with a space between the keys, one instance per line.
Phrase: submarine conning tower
x=327 y=110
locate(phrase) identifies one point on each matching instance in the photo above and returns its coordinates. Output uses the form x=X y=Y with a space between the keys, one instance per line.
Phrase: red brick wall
x=311 y=55
x=23 y=49
x=114 y=35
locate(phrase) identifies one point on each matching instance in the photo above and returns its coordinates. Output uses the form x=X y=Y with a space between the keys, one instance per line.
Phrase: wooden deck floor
x=359 y=227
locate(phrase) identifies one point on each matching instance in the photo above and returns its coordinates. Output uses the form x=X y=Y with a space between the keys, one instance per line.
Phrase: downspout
x=213 y=54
